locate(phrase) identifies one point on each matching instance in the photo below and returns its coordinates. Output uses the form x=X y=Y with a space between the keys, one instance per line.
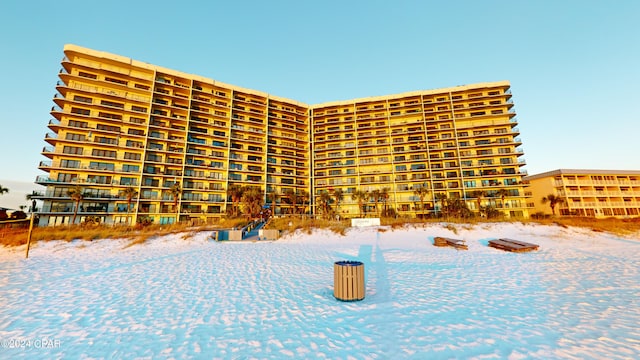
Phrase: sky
x=574 y=66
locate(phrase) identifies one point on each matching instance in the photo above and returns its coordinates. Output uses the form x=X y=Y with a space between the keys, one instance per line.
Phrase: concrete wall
x=270 y=234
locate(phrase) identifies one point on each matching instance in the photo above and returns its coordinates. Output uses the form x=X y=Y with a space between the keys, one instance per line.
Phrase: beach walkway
x=254 y=234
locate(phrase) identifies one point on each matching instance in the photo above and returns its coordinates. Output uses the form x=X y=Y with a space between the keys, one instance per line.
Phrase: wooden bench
x=512 y=245
x=456 y=243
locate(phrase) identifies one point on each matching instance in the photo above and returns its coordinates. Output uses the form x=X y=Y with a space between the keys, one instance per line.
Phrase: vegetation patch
x=451 y=228
x=137 y=241
x=288 y=225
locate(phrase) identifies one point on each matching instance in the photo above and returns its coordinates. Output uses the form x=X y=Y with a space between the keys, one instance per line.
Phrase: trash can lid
x=348 y=263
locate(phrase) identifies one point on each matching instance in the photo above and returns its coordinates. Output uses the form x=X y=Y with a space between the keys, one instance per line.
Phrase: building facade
x=591 y=193
x=119 y=123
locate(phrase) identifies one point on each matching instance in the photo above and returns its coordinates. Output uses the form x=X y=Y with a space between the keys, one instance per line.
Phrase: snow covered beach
x=578 y=297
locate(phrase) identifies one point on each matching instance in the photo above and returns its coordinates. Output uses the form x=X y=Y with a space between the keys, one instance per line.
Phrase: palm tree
x=304 y=197
x=235 y=191
x=324 y=201
x=553 y=200
x=129 y=193
x=384 y=196
x=421 y=192
x=31 y=197
x=375 y=196
x=291 y=196
x=442 y=197
x=361 y=197
x=252 y=202
x=479 y=195
x=273 y=198
x=175 y=191
x=503 y=194
x=3 y=190
x=338 y=196
x=76 y=194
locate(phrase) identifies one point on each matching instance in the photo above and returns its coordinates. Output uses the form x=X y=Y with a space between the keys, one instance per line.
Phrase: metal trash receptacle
x=348 y=280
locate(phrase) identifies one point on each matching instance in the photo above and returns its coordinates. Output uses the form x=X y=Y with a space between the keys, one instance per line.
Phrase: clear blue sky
x=574 y=66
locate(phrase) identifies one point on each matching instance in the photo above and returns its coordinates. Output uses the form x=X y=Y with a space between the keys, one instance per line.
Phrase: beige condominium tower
x=122 y=124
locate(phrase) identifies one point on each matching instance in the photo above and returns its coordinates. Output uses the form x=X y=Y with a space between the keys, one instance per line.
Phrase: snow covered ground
x=578 y=297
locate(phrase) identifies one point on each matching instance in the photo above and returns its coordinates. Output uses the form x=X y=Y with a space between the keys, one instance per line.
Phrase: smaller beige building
x=591 y=193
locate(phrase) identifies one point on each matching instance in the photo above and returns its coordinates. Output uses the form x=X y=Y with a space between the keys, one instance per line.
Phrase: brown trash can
x=348 y=280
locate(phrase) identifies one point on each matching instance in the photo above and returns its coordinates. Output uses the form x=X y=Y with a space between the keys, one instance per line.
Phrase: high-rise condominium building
x=583 y=192
x=119 y=123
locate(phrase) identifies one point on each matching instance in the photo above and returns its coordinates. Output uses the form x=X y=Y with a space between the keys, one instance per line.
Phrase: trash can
x=348 y=280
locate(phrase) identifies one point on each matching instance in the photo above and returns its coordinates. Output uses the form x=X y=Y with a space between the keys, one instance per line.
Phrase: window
x=107 y=115
x=114 y=80
x=103 y=153
x=138 y=108
x=62 y=177
x=130 y=168
x=134 y=144
x=108 y=128
x=75 y=137
x=96 y=165
x=83 y=99
x=128 y=181
x=132 y=156
x=78 y=124
x=105 y=140
x=135 y=132
x=72 y=150
x=80 y=111
x=70 y=164
x=136 y=120
x=87 y=75
x=112 y=104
